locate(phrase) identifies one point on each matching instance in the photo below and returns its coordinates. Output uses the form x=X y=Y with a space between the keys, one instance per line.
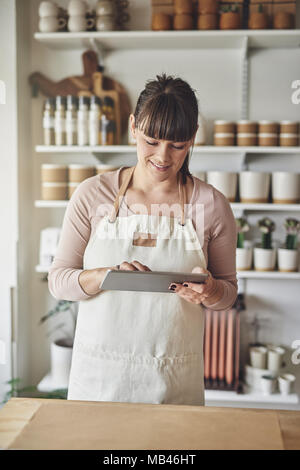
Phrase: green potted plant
x=244 y=248
x=288 y=253
x=61 y=349
x=15 y=390
x=264 y=253
x=230 y=17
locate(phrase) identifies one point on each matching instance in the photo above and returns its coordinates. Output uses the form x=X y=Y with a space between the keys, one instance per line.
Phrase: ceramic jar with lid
x=224 y=133
x=161 y=22
x=78 y=172
x=268 y=133
x=52 y=173
x=289 y=133
x=104 y=168
x=246 y=133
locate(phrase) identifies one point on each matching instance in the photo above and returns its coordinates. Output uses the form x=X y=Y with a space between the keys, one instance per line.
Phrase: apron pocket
x=138 y=379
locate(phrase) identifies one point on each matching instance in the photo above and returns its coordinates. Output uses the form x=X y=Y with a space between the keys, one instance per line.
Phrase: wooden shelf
x=113 y=40
x=99 y=149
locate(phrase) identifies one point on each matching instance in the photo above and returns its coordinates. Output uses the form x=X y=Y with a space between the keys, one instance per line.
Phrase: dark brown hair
x=167 y=109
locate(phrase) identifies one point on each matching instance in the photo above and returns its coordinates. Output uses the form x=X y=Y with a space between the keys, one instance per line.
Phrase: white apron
x=140 y=347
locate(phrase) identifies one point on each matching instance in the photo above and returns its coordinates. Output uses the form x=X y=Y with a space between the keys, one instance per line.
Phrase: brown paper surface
x=67 y=424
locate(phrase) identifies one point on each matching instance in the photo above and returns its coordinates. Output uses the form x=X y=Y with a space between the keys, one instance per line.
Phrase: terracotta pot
x=207 y=21
x=183 y=6
x=283 y=20
x=258 y=21
x=183 y=22
x=230 y=20
x=161 y=22
x=208 y=6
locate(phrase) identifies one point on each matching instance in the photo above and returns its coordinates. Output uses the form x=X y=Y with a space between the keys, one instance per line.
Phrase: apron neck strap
x=124 y=186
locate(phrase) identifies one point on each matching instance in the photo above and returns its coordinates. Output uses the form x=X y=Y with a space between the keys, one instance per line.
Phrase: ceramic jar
x=225 y=182
x=254 y=186
x=285 y=187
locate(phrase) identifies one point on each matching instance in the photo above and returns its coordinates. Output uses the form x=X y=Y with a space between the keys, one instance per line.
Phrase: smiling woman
x=143 y=346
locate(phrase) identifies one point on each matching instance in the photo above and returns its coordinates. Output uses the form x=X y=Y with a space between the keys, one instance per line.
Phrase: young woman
x=143 y=346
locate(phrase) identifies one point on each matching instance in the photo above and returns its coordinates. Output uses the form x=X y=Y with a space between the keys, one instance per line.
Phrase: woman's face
x=161 y=157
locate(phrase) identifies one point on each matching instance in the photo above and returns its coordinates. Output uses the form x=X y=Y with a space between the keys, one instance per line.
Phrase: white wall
x=8 y=176
x=215 y=74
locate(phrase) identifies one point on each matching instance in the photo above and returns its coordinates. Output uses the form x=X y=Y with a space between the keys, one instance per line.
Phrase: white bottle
x=71 y=120
x=83 y=121
x=60 y=121
x=95 y=121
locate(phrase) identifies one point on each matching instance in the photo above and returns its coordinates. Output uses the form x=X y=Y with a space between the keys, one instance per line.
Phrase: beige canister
x=246 y=139
x=71 y=189
x=54 y=191
x=52 y=173
x=289 y=127
x=268 y=127
x=246 y=127
x=227 y=127
x=267 y=139
x=288 y=140
x=104 y=168
x=224 y=138
x=78 y=172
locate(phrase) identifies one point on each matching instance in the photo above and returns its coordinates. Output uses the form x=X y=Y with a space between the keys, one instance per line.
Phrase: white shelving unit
x=113 y=40
x=236 y=206
x=241 y=274
x=197 y=149
x=212 y=397
x=148 y=40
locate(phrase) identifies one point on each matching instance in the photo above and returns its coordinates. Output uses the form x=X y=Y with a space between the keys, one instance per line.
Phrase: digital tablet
x=147 y=281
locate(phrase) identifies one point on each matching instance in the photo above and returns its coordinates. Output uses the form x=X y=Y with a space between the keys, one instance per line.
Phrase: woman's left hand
x=198 y=293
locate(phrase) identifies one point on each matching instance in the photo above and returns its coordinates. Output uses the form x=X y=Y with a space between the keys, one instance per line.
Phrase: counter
x=31 y=423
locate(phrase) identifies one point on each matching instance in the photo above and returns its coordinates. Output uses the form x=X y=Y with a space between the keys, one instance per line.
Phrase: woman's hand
x=211 y=291
x=133 y=266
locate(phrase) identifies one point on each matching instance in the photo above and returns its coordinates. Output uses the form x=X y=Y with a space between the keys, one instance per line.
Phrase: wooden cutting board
x=75 y=84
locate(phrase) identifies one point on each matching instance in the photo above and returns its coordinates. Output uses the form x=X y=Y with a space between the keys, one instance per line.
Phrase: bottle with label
x=95 y=120
x=104 y=132
x=83 y=120
x=71 y=120
x=110 y=127
x=60 y=121
x=48 y=121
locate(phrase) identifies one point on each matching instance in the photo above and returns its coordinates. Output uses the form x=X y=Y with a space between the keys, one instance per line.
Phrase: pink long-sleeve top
x=83 y=213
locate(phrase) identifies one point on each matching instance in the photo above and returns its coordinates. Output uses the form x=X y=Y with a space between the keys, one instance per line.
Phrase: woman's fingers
x=134 y=266
x=128 y=266
x=140 y=266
